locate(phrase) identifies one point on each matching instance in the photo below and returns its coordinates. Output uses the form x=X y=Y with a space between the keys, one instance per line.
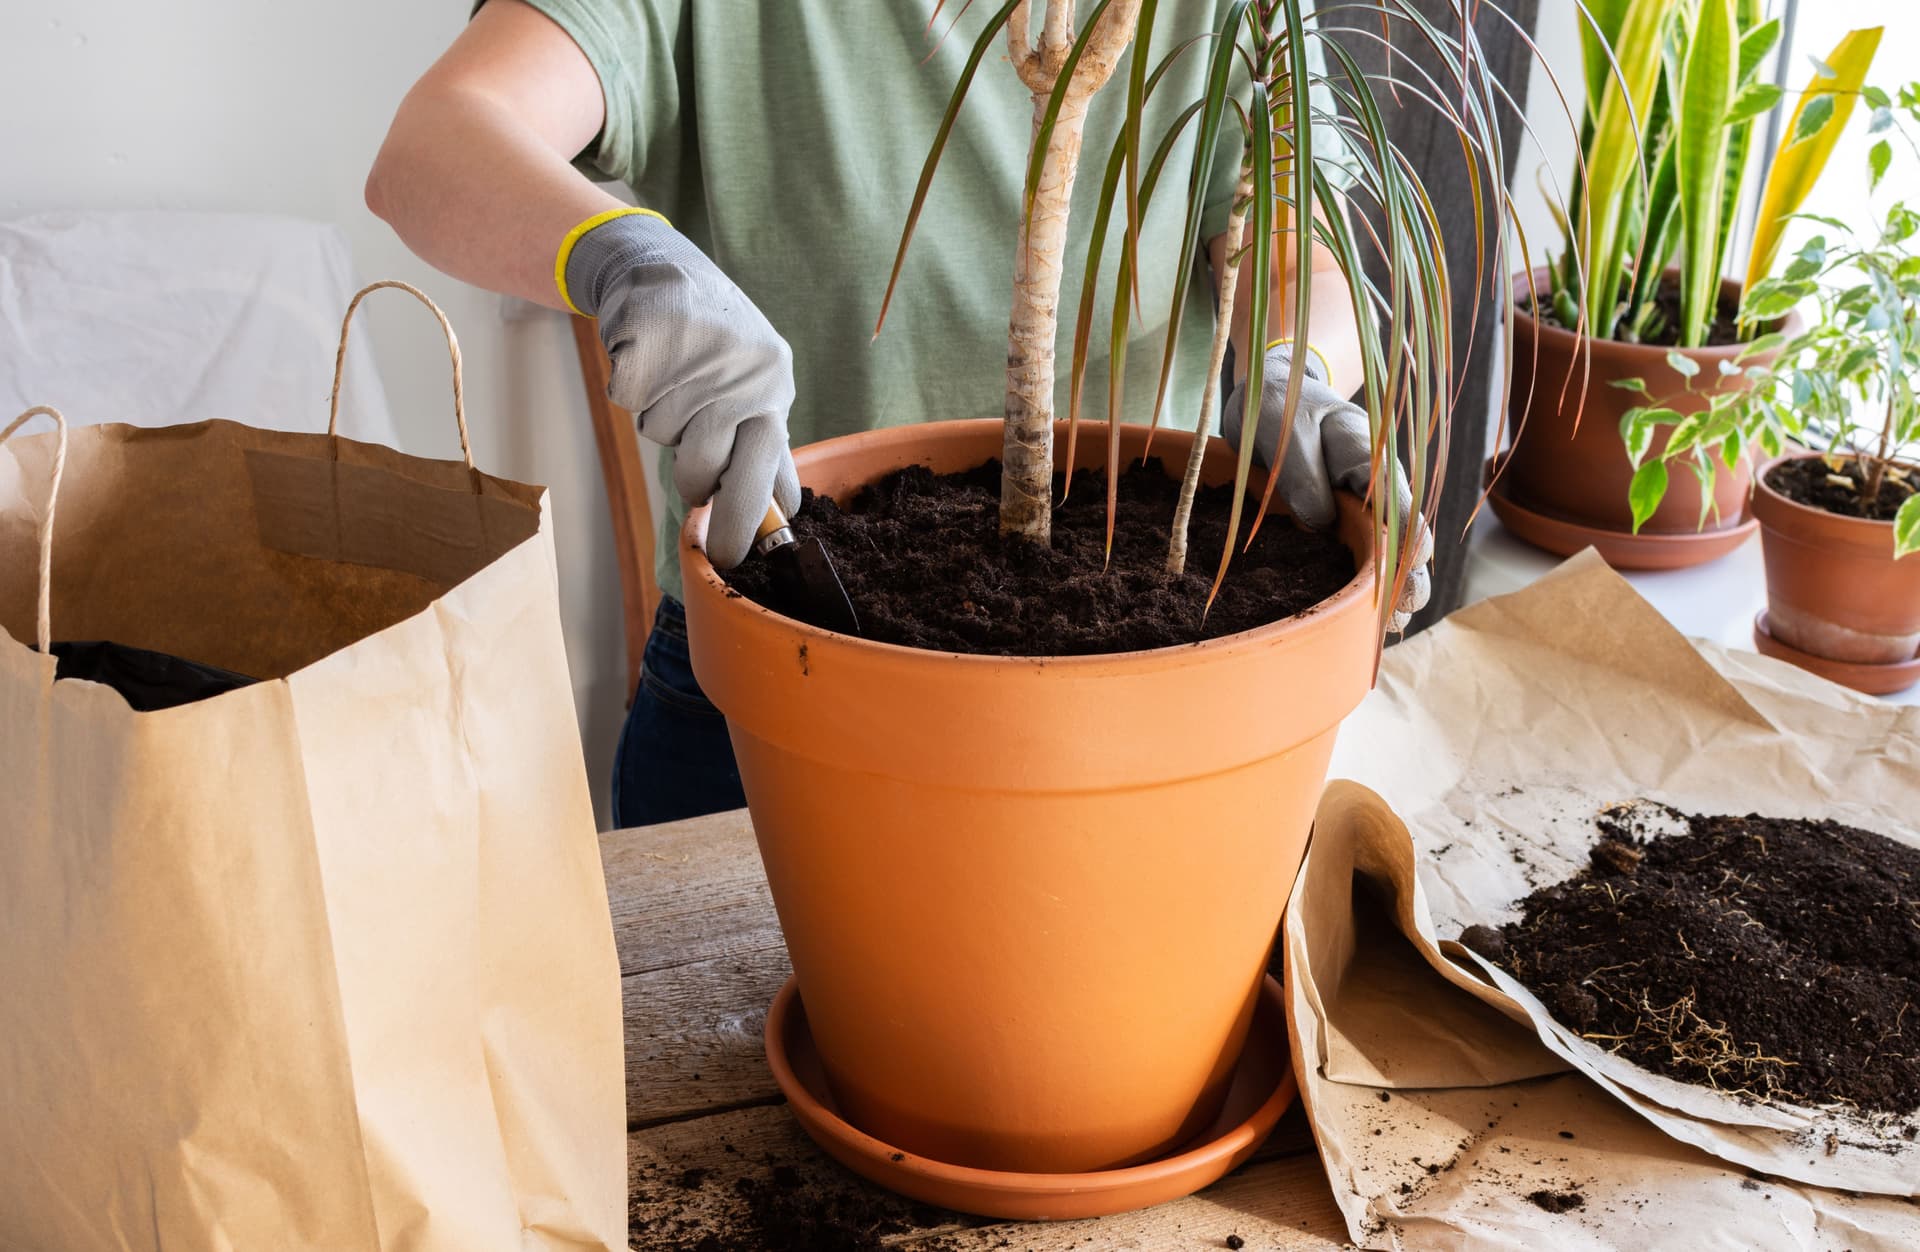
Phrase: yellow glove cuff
x=573 y=237
x=1325 y=368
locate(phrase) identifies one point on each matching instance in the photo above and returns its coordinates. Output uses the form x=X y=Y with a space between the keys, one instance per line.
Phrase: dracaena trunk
x=1026 y=482
x=1210 y=385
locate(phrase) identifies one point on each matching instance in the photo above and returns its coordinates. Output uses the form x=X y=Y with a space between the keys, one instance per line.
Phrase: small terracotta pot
x=1582 y=473
x=1028 y=900
x=1834 y=588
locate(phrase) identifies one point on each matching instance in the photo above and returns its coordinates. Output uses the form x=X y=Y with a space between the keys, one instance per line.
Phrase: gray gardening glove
x=1331 y=447
x=698 y=365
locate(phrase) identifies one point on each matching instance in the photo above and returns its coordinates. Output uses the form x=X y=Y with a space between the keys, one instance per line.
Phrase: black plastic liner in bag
x=148 y=680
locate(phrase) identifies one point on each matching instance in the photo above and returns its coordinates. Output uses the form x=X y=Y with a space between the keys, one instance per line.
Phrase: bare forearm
x=1332 y=330
x=475 y=174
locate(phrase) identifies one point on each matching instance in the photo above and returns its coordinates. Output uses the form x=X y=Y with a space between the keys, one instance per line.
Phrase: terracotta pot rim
x=1860 y=527
x=1551 y=332
x=695 y=564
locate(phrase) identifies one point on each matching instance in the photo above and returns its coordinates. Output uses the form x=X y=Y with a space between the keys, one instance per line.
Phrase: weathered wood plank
x=750 y=1179
x=687 y=891
x=694 y=1035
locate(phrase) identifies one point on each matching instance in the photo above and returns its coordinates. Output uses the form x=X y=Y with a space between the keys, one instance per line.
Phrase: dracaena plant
x=1672 y=97
x=1836 y=358
x=1262 y=84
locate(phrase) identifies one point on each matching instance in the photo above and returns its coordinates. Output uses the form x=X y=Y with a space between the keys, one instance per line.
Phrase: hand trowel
x=804 y=579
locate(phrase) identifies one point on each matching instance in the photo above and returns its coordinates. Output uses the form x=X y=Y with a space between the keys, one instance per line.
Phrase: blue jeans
x=674 y=758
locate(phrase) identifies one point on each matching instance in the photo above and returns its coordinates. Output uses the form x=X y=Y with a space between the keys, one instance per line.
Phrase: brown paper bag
x=324 y=961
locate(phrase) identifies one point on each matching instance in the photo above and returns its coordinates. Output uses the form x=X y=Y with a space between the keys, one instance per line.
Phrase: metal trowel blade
x=811 y=588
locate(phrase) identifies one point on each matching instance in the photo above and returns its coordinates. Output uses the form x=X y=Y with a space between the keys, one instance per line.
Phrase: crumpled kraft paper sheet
x=1498 y=736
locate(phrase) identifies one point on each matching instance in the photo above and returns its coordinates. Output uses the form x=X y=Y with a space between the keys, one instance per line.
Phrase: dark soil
x=923 y=561
x=1663 y=328
x=1806 y=481
x=1773 y=958
x=777 y=1208
x=1558 y=1201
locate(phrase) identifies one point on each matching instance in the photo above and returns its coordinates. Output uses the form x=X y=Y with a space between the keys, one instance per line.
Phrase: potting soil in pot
x=1810 y=481
x=1772 y=958
x=923 y=561
x=1724 y=331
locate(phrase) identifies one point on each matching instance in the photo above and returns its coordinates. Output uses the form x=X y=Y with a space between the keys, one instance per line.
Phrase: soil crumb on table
x=923 y=561
x=1770 y=958
x=777 y=1208
x=1557 y=1201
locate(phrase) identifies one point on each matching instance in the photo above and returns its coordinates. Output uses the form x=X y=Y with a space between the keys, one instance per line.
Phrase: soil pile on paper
x=924 y=563
x=1810 y=481
x=1773 y=958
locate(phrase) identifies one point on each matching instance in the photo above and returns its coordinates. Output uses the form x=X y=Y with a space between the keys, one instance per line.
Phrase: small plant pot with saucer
x=1839 y=602
x=1563 y=483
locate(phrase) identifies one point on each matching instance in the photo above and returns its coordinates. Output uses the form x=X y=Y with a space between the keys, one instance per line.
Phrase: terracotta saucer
x=1620 y=549
x=1875 y=680
x=1263 y=1088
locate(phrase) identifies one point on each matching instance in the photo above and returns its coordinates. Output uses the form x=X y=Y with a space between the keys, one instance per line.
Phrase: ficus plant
x=1673 y=94
x=1858 y=349
x=1261 y=83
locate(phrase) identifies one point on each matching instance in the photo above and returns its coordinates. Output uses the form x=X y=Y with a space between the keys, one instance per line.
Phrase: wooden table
x=716 y=1162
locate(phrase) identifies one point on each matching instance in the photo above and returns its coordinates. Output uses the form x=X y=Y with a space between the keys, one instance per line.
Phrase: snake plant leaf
x=1625 y=96
x=1757 y=41
x=1600 y=25
x=978 y=54
x=1700 y=152
x=1799 y=162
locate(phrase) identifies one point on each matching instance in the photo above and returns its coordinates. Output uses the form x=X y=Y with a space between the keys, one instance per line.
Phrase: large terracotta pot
x=1834 y=588
x=1582 y=473
x=1028 y=900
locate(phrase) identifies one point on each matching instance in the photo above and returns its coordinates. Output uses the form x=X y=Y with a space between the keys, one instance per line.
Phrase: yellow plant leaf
x=1797 y=165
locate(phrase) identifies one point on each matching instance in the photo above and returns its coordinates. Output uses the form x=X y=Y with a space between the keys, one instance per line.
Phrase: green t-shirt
x=785 y=137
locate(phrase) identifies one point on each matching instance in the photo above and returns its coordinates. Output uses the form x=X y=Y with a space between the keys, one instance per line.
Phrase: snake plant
x=1673 y=95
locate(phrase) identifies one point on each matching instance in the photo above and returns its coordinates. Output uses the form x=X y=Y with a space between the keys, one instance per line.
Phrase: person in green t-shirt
x=775 y=147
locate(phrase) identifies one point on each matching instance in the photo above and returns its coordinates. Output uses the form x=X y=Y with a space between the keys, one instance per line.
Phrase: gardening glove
x=695 y=362
x=1332 y=446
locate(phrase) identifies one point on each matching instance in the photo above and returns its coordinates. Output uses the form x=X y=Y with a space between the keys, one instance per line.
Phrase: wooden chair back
x=618 y=440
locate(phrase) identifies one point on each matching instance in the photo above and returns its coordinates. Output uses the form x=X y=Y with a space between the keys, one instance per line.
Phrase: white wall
x=279 y=108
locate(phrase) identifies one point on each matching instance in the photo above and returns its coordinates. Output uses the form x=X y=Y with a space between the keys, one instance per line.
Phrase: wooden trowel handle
x=773 y=533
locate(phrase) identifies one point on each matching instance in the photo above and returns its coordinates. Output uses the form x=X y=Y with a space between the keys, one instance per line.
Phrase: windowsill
x=1716 y=601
